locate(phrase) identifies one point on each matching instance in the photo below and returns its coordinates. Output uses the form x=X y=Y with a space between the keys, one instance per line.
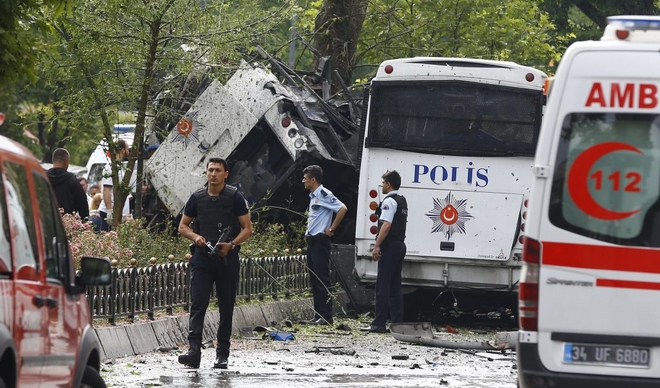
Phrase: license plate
x=626 y=356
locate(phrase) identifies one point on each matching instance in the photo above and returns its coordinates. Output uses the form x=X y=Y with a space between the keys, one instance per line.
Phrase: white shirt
x=107 y=181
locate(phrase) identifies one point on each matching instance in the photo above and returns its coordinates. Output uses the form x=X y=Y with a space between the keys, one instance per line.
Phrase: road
x=325 y=357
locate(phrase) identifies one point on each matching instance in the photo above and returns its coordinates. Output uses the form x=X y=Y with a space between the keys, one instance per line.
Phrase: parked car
x=46 y=334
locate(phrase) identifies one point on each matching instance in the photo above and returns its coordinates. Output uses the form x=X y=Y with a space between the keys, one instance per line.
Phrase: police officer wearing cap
x=389 y=251
x=320 y=228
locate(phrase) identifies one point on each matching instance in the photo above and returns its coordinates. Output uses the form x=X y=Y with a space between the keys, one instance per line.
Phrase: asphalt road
x=322 y=356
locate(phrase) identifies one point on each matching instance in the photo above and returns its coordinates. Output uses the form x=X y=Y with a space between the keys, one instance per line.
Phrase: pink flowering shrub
x=132 y=239
x=85 y=242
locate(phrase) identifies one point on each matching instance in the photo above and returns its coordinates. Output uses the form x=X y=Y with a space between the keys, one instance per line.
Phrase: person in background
x=70 y=195
x=94 y=189
x=94 y=205
x=105 y=209
x=221 y=219
x=320 y=228
x=389 y=252
x=83 y=184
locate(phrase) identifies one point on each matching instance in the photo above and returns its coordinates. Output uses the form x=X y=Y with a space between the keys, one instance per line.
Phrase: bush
x=145 y=243
x=275 y=239
x=85 y=242
x=133 y=240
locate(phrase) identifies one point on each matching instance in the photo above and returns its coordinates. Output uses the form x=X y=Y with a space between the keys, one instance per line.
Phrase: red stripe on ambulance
x=618 y=95
x=628 y=259
x=627 y=284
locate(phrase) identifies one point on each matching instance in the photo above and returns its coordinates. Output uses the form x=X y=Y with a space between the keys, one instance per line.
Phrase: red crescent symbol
x=578 y=178
x=184 y=126
x=449 y=215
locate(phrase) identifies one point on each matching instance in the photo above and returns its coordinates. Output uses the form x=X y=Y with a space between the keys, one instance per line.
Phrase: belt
x=317 y=239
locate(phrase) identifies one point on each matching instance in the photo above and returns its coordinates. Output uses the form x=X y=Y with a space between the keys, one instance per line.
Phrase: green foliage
x=23 y=26
x=145 y=243
x=127 y=55
x=275 y=239
x=133 y=240
x=515 y=30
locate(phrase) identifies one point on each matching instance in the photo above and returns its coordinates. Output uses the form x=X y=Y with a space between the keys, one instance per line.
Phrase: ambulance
x=589 y=295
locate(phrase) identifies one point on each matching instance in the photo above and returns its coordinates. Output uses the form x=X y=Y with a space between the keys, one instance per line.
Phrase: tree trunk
x=338 y=26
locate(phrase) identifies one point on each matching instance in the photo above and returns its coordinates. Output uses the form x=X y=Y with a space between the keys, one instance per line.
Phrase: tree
x=597 y=11
x=337 y=30
x=125 y=54
x=515 y=30
x=23 y=24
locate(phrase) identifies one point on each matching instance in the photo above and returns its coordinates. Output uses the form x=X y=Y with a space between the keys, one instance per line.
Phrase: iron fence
x=146 y=290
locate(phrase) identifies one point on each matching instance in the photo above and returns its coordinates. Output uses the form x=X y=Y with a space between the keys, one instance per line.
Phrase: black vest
x=398 y=228
x=215 y=213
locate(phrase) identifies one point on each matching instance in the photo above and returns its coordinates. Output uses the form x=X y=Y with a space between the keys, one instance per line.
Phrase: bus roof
x=441 y=67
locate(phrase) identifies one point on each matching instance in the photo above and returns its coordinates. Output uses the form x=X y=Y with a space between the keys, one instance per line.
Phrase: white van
x=590 y=282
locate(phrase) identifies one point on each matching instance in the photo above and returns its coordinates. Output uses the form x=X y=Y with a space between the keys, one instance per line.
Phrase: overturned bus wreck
x=268 y=132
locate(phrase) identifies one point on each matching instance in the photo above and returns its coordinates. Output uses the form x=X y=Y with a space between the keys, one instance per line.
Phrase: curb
x=170 y=332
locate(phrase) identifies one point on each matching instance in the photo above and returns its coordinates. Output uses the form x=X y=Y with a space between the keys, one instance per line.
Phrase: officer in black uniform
x=222 y=222
x=389 y=252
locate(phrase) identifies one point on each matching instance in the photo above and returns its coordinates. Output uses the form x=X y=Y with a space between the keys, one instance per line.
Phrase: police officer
x=214 y=208
x=320 y=228
x=389 y=252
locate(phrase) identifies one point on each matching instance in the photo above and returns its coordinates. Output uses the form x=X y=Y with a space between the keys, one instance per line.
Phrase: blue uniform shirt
x=322 y=204
x=388 y=207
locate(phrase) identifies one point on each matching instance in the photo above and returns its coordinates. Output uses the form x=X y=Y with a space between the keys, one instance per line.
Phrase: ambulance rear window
x=607 y=178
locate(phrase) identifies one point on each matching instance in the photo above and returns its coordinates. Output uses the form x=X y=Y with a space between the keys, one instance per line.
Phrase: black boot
x=192 y=358
x=220 y=362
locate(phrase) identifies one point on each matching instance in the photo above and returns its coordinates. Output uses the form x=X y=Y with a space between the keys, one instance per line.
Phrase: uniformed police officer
x=214 y=208
x=389 y=251
x=320 y=228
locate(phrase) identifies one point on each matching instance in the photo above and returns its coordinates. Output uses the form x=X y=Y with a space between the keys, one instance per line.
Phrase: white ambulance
x=589 y=297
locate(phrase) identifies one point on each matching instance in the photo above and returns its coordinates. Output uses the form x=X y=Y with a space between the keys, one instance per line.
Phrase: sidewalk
x=144 y=337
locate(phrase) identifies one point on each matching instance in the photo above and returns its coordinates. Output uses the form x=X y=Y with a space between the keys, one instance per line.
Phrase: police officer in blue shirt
x=320 y=228
x=389 y=251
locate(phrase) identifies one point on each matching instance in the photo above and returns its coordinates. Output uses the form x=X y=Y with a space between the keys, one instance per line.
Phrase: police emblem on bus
x=187 y=129
x=449 y=215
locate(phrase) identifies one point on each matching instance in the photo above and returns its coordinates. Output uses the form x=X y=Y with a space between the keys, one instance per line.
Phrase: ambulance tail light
x=528 y=295
x=632 y=28
x=622 y=34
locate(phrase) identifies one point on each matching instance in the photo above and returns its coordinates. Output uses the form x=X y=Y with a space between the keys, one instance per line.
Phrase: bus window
x=456 y=118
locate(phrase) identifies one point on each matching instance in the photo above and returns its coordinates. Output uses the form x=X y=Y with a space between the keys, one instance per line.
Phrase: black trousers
x=389 y=297
x=204 y=272
x=318 y=261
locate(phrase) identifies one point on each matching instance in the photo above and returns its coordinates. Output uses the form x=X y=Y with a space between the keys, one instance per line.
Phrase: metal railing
x=145 y=290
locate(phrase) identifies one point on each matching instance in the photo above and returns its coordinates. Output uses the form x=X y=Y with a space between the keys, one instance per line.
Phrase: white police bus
x=462 y=133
